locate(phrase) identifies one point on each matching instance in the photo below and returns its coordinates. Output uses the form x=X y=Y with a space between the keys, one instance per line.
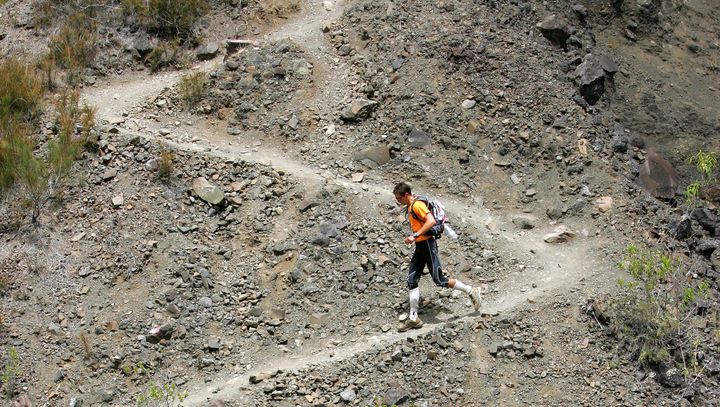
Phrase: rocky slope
x=269 y=269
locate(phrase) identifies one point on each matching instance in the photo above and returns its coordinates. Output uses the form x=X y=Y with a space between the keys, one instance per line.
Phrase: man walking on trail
x=426 y=254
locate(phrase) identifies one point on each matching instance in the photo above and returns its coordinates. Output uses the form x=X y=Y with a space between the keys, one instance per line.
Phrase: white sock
x=460 y=286
x=414 y=302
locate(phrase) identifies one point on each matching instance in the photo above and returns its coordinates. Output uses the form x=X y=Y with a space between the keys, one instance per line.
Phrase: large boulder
x=374 y=156
x=207 y=51
x=143 y=45
x=556 y=29
x=593 y=75
x=658 y=177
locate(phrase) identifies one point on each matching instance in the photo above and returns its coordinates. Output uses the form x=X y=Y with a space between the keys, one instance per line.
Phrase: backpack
x=438 y=212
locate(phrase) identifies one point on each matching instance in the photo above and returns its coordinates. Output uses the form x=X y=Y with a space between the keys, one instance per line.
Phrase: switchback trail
x=550 y=268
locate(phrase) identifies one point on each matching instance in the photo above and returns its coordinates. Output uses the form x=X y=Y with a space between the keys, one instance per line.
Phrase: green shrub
x=655 y=315
x=167 y=18
x=39 y=177
x=191 y=87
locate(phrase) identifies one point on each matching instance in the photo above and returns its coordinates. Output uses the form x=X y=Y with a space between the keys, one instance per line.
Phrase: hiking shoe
x=475 y=297
x=410 y=324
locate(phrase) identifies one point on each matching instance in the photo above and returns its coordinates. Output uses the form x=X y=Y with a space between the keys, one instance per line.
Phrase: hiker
x=426 y=254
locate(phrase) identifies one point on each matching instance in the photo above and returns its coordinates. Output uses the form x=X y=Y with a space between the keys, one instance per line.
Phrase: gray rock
x=418 y=138
x=205 y=302
x=468 y=104
x=619 y=144
x=109 y=174
x=348 y=395
x=143 y=45
x=590 y=76
x=359 y=109
x=157 y=334
x=301 y=67
x=329 y=230
x=213 y=345
x=556 y=29
x=706 y=247
x=374 y=156
x=107 y=395
x=207 y=51
x=207 y=191
x=524 y=222
x=118 y=201
x=671 y=377
x=395 y=396
x=59 y=375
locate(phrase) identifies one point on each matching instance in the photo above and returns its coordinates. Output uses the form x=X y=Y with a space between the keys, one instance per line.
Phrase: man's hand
x=409 y=239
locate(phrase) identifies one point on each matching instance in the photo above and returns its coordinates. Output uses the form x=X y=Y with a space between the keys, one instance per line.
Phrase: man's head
x=403 y=193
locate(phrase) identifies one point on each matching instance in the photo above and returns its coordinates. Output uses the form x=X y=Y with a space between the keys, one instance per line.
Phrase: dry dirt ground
x=114 y=272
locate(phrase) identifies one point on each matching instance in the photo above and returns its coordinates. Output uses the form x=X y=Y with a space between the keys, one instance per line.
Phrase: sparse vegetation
x=656 y=313
x=20 y=91
x=165 y=163
x=156 y=394
x=38 y=177
x=10 y=372
x=191 y=87
x=86 y=344
x=279 y=8
x=74 y=46
x=705 y=163
x=166 y=18
x=165 y=54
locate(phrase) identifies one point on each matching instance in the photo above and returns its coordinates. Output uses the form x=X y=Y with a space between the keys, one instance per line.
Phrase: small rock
x=468 y=104
x=560 y=235
x=207 y=191
x=358 y=110
x=118 y=201
x=109 y=174
x=348 y=395
x=418 y=138
x=604 y=203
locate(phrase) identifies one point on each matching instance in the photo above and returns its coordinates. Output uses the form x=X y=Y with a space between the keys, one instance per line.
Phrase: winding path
x=554 y=267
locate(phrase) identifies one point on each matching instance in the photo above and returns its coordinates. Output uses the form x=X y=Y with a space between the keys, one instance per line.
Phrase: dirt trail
x=549 y=267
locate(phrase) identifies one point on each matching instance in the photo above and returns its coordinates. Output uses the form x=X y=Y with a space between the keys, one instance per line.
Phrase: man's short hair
x=402 y=188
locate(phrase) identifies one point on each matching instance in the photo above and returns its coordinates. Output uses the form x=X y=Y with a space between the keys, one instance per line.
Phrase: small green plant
x=705 y=163
x=191 y=87
x=10 y=373
x=165 y=163
x=655 y=313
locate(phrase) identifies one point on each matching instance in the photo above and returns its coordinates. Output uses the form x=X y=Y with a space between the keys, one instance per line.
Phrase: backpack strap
x=412 y=211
